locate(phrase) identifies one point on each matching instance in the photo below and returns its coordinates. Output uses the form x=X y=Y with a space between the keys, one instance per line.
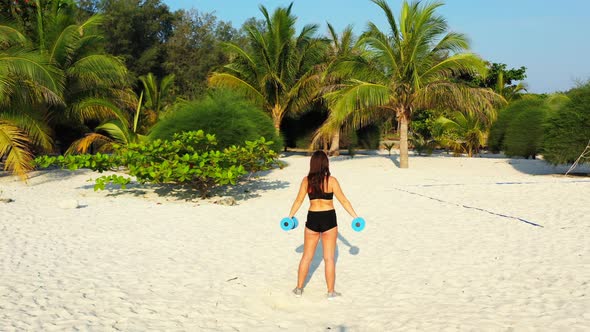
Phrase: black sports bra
x=328 y=196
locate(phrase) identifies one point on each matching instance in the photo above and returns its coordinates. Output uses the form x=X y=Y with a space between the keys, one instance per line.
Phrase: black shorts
x=321 y=221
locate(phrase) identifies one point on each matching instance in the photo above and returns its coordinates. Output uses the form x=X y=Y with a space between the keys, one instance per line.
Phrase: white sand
x=436 y=254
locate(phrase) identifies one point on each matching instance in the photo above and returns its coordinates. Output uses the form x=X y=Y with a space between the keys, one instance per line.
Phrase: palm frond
x=31 y=69
x=96 y=109
x=14 y=145
x=230 y=81
x=117 y=130
x=33 y=125
x=98 y=70
x=84 y=144
x=10 y=36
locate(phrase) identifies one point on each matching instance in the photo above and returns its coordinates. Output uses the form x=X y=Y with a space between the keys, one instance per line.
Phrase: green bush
x=567 y=130
x=190 y=159
x=423 y=122
x=498 y=130
x=225 y=114
x=524 y=133
x=518 y=131
x=421 y=144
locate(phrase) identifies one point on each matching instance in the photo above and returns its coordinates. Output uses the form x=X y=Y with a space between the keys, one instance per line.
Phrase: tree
x=342 y=47
x=500 y=79
x=461 y=132
x=137 y=30
x=567 y=129
x=110 y=133
x=278 y=68
x=194 y=50
x=158 y=97
x=411 y=68
x=79 y=83
x=27 y=78
x=96 y=83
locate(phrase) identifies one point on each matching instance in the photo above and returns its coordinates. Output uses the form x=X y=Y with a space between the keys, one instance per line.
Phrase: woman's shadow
x=318 y=256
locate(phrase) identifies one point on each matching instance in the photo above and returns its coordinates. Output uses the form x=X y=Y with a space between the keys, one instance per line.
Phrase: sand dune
x=451 y=244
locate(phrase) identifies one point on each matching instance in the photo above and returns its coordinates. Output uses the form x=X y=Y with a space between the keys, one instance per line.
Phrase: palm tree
x=96 y=83
x=461 y=132
x=409 y=69
x=109 y=133
x=511 y=92
x=68 y=79
x=158 y=97
x=277 y=68
x=342 y=47
x=27 y=79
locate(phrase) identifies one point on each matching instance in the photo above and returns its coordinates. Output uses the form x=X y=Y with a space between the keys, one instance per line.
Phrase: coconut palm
x=277 y=67
x=511 y=92
x=67 y=80
x=158 y=97
x=95 y=85
x=341 y=47
x=109 y=133
x=27 y=79
x=462 y=133
x=409 y=68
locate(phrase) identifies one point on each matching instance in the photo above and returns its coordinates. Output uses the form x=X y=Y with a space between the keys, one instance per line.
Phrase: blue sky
x=549 y=37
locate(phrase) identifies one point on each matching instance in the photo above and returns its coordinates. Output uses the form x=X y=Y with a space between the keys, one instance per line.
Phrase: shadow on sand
x=541 y=167
x=248 y=188
x=318 y=256
x=48 y=175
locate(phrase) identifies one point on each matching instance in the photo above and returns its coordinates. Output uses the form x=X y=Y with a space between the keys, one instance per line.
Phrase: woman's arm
x=341 y=198
x=300 y=197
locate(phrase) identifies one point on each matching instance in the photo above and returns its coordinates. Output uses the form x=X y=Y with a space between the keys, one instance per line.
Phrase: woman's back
x=322 y=201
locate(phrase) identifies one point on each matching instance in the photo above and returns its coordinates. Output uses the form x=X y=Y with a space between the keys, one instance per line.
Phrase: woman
x=321 y=219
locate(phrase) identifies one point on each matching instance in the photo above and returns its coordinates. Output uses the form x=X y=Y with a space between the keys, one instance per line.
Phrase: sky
x=549 y=37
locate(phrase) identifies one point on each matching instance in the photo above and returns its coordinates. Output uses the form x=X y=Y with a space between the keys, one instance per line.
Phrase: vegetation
x=232 y=118
x=462 y=133
x=342 y=46
x=80 y=76
x=524 y=133
x=519 y=128
x=277 y=68
x=410 y=67
x=65 y=83
x=189 y=159
x=567 y=130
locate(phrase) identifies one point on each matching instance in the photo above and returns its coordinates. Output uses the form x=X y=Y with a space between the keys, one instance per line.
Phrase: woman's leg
x=310 y=242
x=329 y=244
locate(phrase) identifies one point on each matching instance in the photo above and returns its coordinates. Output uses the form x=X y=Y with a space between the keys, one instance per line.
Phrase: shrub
x=498 y=130
x=188 y=159
x=518 y=131
x=225 y=114
x=567 y=130
x=423 y=122
x=421 y=144
x=524 y=133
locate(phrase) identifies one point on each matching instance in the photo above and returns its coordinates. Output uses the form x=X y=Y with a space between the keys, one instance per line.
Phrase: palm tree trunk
x=403 y=140
x=335 y=146
x=277 y=116
x=277 y=124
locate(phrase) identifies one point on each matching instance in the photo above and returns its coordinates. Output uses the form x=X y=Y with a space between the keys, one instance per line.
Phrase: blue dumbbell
x=288 y=224
x=358 y=224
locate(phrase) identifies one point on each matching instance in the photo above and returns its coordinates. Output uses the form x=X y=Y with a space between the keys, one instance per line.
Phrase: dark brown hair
x=319 y=172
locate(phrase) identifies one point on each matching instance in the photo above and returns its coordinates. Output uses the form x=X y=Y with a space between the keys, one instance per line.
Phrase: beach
x=451 y=244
